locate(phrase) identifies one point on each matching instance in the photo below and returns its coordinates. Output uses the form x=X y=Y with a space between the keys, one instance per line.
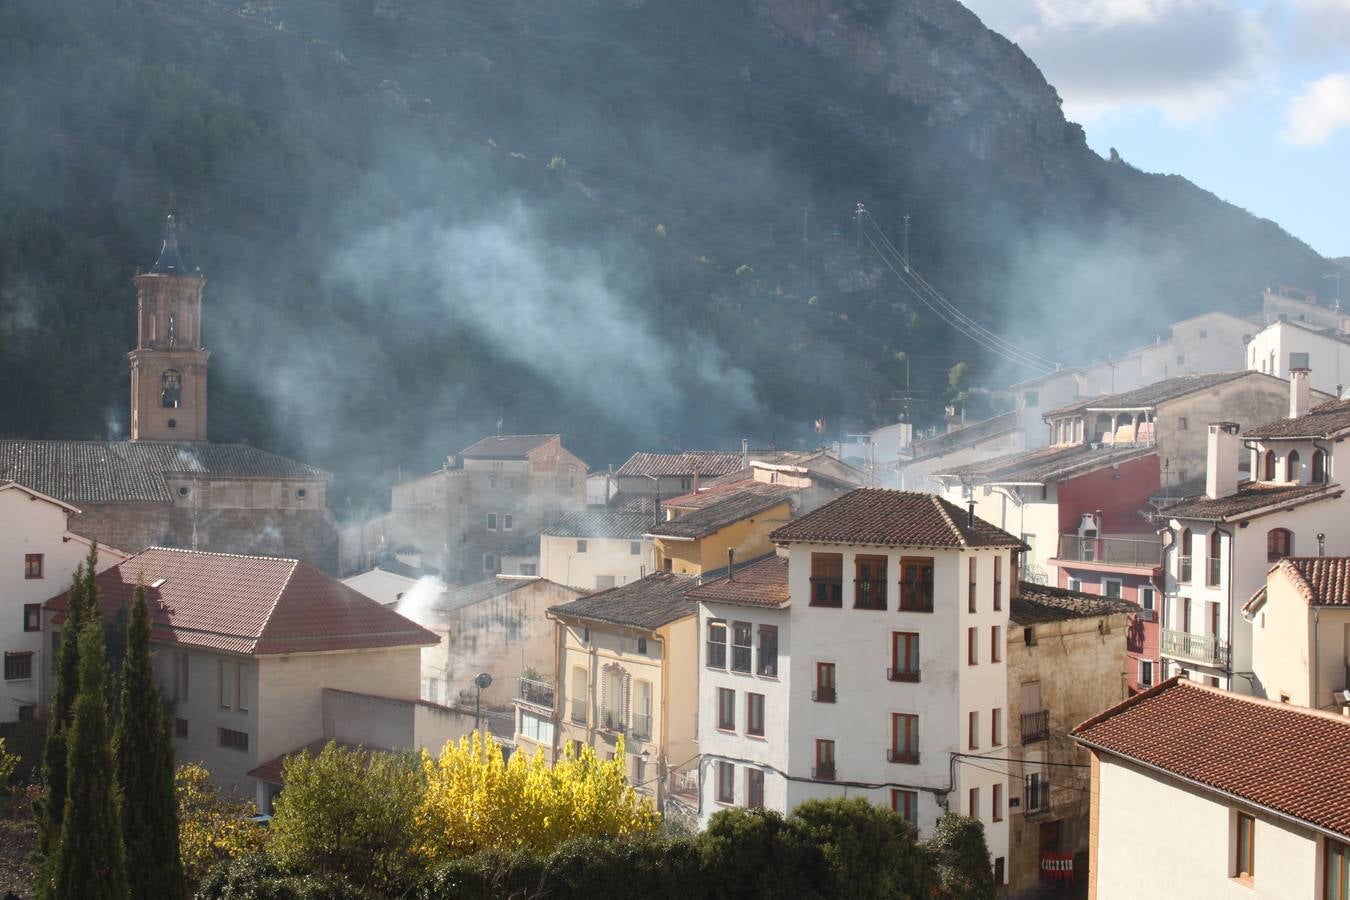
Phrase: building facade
x=597 y=549
x=1300 y=622
x=1283 y=346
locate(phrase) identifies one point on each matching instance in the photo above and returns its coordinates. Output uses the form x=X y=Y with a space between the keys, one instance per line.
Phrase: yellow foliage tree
x=211 y=826
x=475 y=800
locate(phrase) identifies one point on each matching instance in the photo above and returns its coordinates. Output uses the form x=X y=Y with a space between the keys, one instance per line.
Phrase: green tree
x=213 y=826
x=145 y=770
x=961 y=856
x=873 y=852
x=90 y=860
x=757 y=853
x=350 y=812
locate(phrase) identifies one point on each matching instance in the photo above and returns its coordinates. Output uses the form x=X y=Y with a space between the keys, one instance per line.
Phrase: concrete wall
x=560 y=561
x=1196 y=857
x=387 y=723
x=199 y=705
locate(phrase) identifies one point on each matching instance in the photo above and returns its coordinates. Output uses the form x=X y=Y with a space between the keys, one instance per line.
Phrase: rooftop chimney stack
x=745 y=453
x=970 y=514
x=1221 y=462
x=731 y=564
x=1300 y=393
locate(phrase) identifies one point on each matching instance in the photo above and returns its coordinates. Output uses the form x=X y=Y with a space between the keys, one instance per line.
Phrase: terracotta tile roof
x=764 y=583
x=1321 y=580
x=601 y=525
x=1285 y=758
x=1324 y=421
x=1045 y=603
x=647 y=603
x=732 y=508
x=254 y=605
x=685 y=464
x=721 y=489
x=1046 y=464
x=893 y=519
x=965 y=436
x=134 y=471
x=1152 y=394
x=1250 y=497
x=505 y=446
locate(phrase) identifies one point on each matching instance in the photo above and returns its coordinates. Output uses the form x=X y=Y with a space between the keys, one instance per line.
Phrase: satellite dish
x=484 y=681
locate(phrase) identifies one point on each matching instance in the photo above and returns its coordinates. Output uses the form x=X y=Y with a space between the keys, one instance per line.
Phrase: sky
x=1249 y=100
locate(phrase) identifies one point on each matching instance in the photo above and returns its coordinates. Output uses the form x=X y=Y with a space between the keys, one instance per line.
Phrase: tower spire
x=170 y=262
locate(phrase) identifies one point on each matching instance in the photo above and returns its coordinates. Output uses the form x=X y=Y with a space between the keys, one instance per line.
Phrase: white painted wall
x=561 y=561
x=1288 y=642
x=1135 y=859
x=1328 y=357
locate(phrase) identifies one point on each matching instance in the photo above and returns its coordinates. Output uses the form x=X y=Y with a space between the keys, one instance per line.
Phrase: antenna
x=906 y=259
x=858 y=215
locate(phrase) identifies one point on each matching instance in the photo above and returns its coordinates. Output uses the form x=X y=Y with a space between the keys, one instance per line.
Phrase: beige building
x=700 y=528
x=499 y=626
x=626 y=665
x=1066 y=662
x=1300 y=622
x=245 y=647
x=597 y=549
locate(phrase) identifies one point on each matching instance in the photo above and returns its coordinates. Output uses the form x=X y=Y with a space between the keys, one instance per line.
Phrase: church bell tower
x=168 y=366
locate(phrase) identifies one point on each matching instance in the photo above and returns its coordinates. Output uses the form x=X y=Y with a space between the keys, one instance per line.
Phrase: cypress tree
x=50 y=808
x=145 y=770
x=90 y=860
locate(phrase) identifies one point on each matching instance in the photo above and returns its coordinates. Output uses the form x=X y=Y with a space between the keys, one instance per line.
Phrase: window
x=754 y=788
x=1279 y=544
x=1244 y=851
x=754 y=714
x=1181 y=359
x=1029 y=635
x=580 y=700
x=536 y=727
x=1336 y=871
x=492 y=481
x=490 y=563
x=32 y=565
x=906 y=804
x=1291 y=466
x=904 y=738
x=1319 y=467
x=1075 y=584
x=581 y=546
x=824 y=692
x=726 y=783
x=1182 y=424
x=916 y=584
x=904 y=656
x=869 y=585
x=973 y=730
x=1037 y=793
x=1184 y=562
x=996 y=809
x=1145 y=673
x=999 y=866
x=635 y=548
x=170 y=386
x=1147 y=598
x=1298 y=360
x=235 y=740
x=996 y=643
x=995 y=727
x=228 y=684
x=972 y=646
x=973 y=803
x=32 y=617
x=767 y=662
x=642 y=646
x=506 y=522
x=180 y=675
x=1111 y=587
x=491 y=521
x=1032 y=398
x=529 y=569
x=726 y=709
x=827 y=579
x=510 y=482
x=824 y=760
x=613 y=698
x=180 y=728
x=998 y=583
x=740 y=646
x=973 y=606
x=717 y=645
x=1268 y=466
x=18 y=666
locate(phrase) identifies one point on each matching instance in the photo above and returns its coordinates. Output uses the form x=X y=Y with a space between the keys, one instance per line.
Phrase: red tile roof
x=1287 y=759
x=687 y=464
x=1321 y=580
x=506 y=446
x=253 y=605
x=893 y=519
x=764 y=583
x=1250 y=497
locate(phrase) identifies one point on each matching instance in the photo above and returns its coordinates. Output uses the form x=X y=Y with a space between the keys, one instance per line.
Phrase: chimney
x=731 y=564
x=1300 y=394
x=970 y=514
x=745 y=453
x=1221 y=462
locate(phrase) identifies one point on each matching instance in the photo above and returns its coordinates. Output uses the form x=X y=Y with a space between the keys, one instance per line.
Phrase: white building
x=38 y=557
x=1221 y=543
x=1284 y=345
x=1298 y=305
x=595 y=550
x=1198 y=792
x=1300 y=621
x=894 y=695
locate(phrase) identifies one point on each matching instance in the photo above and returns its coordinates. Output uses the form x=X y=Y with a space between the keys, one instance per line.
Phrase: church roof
x=170 y=262
x=135 y=471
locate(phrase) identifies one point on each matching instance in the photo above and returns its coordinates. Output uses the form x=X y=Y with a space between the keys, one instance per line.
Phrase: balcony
x=1184 y=570
x=1035 y=726
x=902 y=756
x=827 y=591
x=578 y=710
x=740 y=659
x=902 y=674
x=1111 y=551
x=1213 y=571
x=535 y=692
x=716 y=655
x=823 y=695
x=823 y=772
x=642 y=727
x=612 y=723
x=1205 y=649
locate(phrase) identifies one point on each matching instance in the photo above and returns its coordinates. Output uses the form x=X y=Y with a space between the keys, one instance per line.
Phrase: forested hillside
x=626 y=221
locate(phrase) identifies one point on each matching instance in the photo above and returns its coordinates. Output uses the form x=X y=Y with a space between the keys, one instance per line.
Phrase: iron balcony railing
x=868 y=594
x=1184 y=570
x=823 y=695
x=1213 y=571
x=1117 y=551
x=901 y=755
x=642 y=726
x=717 y=655
x=1201 y=648
x=902 y=674
x=827 y=591
x=1035 y=726
x=823 y=772
x=535 y=692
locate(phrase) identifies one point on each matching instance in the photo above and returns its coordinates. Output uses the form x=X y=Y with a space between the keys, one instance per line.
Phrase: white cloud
x=1189 y=58
x=1319 y=111
x=1321 y=26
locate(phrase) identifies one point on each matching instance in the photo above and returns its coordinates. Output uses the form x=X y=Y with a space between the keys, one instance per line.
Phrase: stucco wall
x=1285 y=643
x=205 y=716
x=1328 y=357
x=560 y=561
x=749 y=538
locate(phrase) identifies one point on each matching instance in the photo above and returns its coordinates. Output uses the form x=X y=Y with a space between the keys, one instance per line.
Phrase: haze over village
x=750 y=450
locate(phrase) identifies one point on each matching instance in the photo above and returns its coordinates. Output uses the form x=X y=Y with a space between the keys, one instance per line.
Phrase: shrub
x=756 y=853
x=961 y=858
x=872 y=852
x=259 y=876
x=212 y=826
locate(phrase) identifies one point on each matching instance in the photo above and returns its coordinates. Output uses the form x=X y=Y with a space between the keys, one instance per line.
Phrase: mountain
x=630 y=221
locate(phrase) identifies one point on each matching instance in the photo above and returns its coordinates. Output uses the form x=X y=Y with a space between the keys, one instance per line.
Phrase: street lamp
x=482 y=682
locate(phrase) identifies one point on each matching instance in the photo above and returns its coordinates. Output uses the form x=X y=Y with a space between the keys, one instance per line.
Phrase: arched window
x=1291 y=466
x=1268 y=466
x=171 y=388
x=1279 y=544
x=1212 y=558
x=1319 y=467
x=1184 y=560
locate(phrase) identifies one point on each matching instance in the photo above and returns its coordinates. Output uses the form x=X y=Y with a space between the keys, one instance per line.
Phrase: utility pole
x=1337 y=277
x=858 y=214
x=906 y=266
x=806 y=212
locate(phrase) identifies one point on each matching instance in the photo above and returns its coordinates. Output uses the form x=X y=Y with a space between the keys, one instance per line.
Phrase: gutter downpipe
x=1167 y=603
x=1232 y=547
